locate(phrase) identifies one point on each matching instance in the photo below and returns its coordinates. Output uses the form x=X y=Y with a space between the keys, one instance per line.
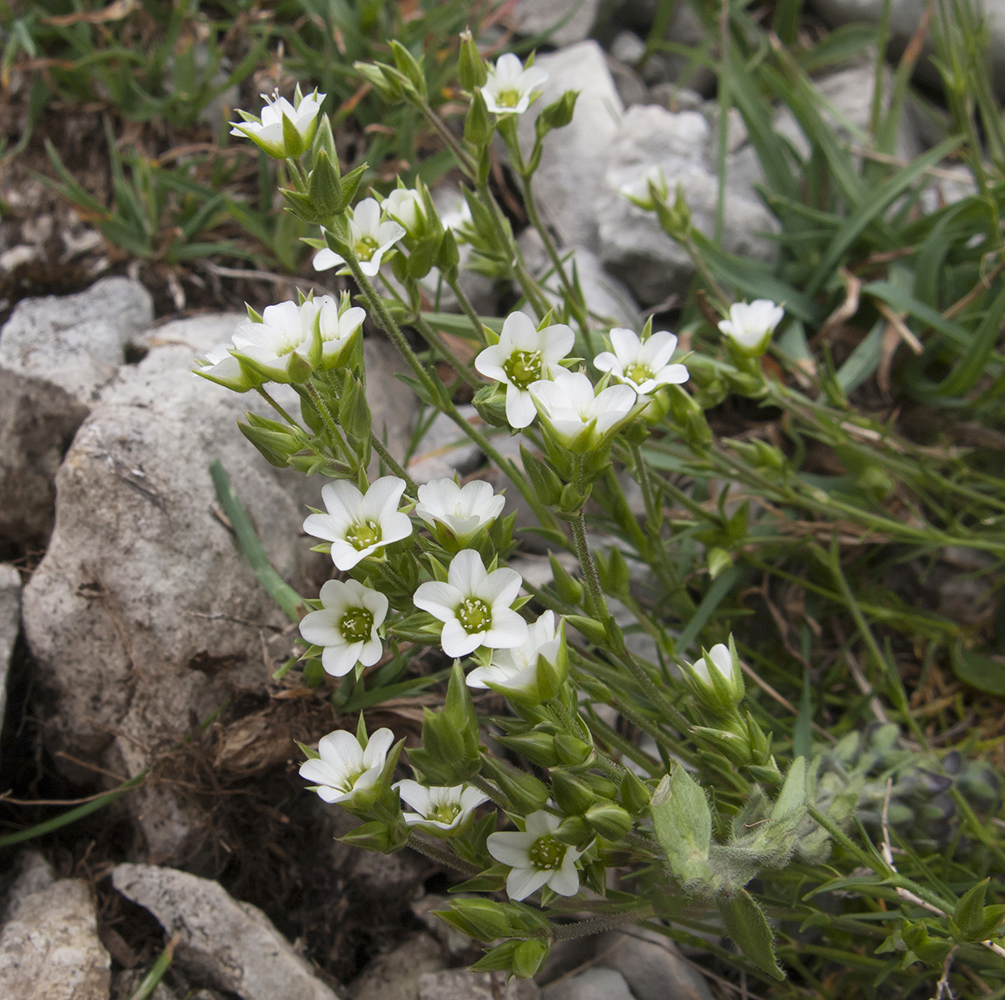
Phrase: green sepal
x=526 y=793
x=572 y=794
x=478 y=123
x=481 y=919
x=682 y=822
x=529 y=956
x=386 y=838
x=409 y=65
x=547 y=485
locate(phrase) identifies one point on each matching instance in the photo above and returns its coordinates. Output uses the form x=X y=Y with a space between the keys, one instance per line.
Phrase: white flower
x=345 y=768
x=464 y=510
x=457 y=218
x=370 y=239
x=524 y=355
x=291 y=340
x=267 y=132
x=750 y=326
x=721 y=661
x=580 y=418
x=445 y=808
x=537 y=858
x=346 y=626
x=220 y=366
x=516 y=669
x=642 y=364
x=474 y=606
x=404 y=205
x=509 y=86
x=358 y=525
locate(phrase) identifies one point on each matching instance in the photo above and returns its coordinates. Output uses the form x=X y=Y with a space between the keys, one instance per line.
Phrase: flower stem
x=435 y=852
x=311 y=391
x=392 y=463
x=261 y=390
x=597 y=925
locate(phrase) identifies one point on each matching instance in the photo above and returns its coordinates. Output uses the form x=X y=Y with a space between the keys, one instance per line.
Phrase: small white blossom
x=220 y=366
x=524 y=355
x=721 y=661
x=346 y=626
x=537 y=858
x=457 y=218
x=509 y=87
x=358 y=525
x=750 y=326
x=464 y=510
x=404 y=205
x=267 y=132
x=474 y=605
x=515 y=669
x=578 y=415
x=344 y=768
x=642 y=364
x=445 y=808
x=370 y=239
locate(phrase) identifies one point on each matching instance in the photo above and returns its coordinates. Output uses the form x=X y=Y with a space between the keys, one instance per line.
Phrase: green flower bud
x=378 y=836
x=558 y=114
x=576 y=832
x=409 y=66
x=526 y=793
x=275 y=441
x=324 y=187
x=682 y=822
x=529 y=956
x=572 y=752
x=478 y=123
x=547 y=485
x=609 y=820
x=716 y=679
x=573 y=795
x=592 y=630
x=539 y=748
x=449 y=754
x=471 y=68
x=635 y=794
x=482 y=919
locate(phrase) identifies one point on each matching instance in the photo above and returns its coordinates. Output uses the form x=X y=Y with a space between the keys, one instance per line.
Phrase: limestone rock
x=56 y=354
x=574 y=18
x=651 y=965
x=445 y=449
x=591 y=984
x=459 y=984
x=49 y=946
x=231 y=944
x=10 y=625
x=395 y=976
x=144 y=614
x=571 y=174
x=633 y=244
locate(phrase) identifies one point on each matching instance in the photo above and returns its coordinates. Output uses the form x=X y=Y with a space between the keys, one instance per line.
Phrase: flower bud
x=529 y=956
x=576 y=832
x=572 y=752
x=471 y=69
x=377 y=836
x=449 y=752
x=568 y=588
x=526 y=793
x=609 y=820
x=682 y=822
x=635 y=794
x=478 y=123
x=573 y=795
x=558 y=114
x=275 y=441
x=324 y=187
x=538 y=748
x=591 y=629
x=483 y=919
x=716 y=678
x=546 y=483
x=409 y=66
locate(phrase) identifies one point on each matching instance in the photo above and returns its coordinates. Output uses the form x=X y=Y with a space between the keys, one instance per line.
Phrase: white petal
x=339 y=660
x=522 y=882
x=626 y=344
x=455 y=641
x=520 y=410
x=438 y=598
x=508 y=630
x=565 y=881
x=377 y=747
x=500 y=587
x=511 y=848
x=325 y=259
x=467 y=572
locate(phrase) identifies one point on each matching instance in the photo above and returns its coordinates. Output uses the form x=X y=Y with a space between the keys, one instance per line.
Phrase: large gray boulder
x=10 y=626
x=565 y=21
x=144 y=615
x=56 y=354
x=571 y=175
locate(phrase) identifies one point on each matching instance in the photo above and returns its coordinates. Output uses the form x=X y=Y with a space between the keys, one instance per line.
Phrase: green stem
x=494 y=794
x=321 y=407
x=464 y=159
x=392 y=463
x=597 y=925
x=261 y=390
x=435 y=852
x=467 y=308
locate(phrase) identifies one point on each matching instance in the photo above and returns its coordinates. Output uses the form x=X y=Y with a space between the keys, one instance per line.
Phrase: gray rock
x=49 y=946
x=395 y=976
x=144 y=614
x=633 y=244
x=446 y=449
x=126 y=983
x=10 y=625
x=847 y=108
x=56 y=354
x=608 y=299
x=231 y=944
x=574 y=17
x=459 y=984
x=651 y=965
x=393 y=404
x=905 y=17
x=571 y=174
x=592 y=984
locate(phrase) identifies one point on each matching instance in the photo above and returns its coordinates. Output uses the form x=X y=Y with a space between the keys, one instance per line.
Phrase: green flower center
x=365 y=247
x=474 y=615
x=523 y=368
x=446 y=813
x=638 y=373
x=508 y=98
x=356 y=625
x=363 y=534
x=546 y=853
